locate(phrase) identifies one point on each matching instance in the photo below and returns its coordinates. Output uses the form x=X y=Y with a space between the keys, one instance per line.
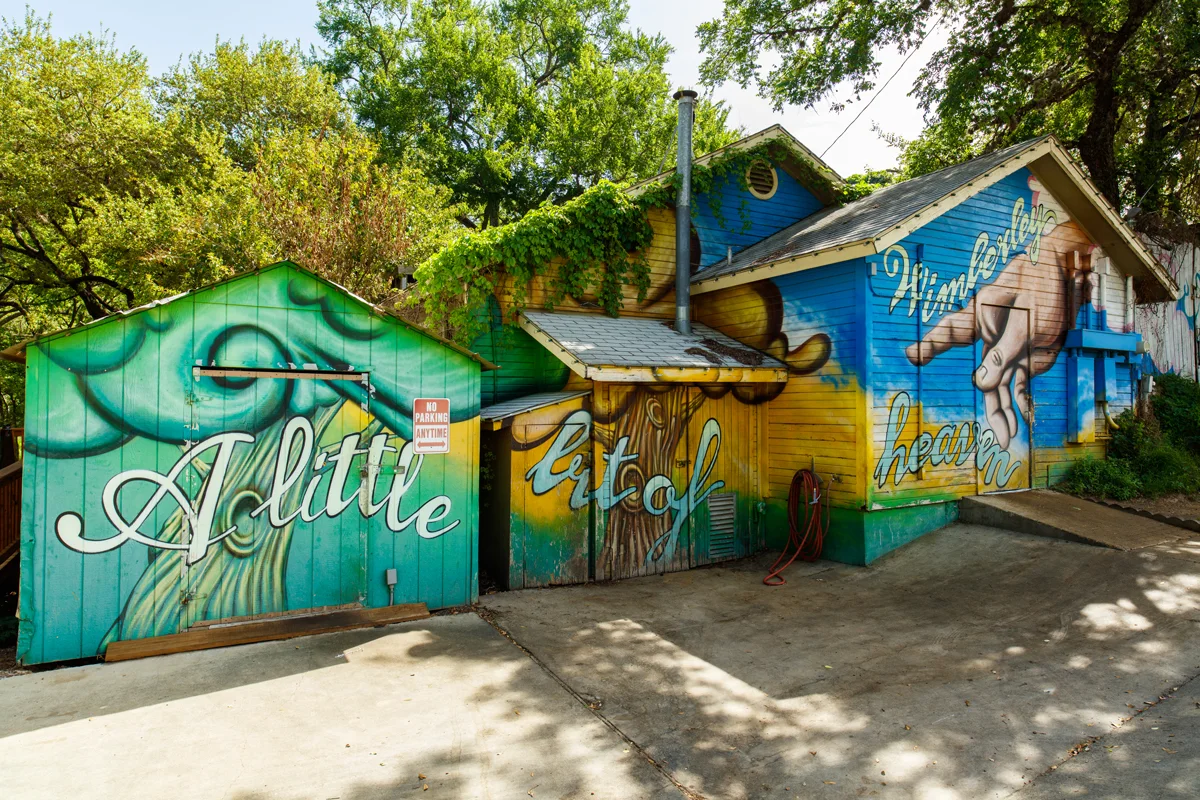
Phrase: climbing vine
x=594 y=243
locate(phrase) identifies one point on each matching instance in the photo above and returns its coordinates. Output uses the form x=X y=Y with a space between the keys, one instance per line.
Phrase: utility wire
x=911 y=53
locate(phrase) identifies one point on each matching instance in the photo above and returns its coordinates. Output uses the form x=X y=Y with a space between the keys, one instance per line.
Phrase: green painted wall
x=861 y=537
x=157 y=495
x=525 y=366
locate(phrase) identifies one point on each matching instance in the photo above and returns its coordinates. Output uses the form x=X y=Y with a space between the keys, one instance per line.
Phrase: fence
x=10 y=513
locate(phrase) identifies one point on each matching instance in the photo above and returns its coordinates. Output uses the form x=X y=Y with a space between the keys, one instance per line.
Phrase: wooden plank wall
x=1169 y=329
x=740 y=219
x=941 y=395
x=660 y=299
x=121 y=395
x=813 y=321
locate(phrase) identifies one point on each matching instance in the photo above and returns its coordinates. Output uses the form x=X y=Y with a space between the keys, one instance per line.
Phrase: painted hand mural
x=1015 y=347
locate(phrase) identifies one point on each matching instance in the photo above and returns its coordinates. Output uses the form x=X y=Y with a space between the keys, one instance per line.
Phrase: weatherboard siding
x=813 y=321
x=728 y=216
x=939 y=396
x=120 y=395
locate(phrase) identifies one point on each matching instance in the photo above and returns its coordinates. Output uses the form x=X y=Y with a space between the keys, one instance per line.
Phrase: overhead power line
x=878 y=92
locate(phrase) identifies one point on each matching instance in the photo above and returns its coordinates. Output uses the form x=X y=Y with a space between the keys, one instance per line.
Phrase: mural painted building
x=266 y=444
x=1169 y=329
x=966 y=332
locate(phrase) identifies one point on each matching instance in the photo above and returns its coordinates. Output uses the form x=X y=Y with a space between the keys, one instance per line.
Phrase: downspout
x=683 y=213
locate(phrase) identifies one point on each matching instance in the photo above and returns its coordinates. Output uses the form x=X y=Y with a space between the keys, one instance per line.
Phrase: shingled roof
x=621 y=349
x=870 y=224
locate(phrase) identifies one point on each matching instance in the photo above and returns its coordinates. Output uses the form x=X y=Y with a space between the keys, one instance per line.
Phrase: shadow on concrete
x=963 y=666
x=446 y=703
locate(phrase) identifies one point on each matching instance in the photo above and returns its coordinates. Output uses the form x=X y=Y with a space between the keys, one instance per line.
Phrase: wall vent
x=762 y=179
x=722 y=525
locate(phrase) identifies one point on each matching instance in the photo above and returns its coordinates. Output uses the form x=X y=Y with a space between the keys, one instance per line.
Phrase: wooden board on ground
x=263 y=631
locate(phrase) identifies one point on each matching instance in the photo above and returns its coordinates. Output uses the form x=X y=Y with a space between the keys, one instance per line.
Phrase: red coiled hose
x=806 y=490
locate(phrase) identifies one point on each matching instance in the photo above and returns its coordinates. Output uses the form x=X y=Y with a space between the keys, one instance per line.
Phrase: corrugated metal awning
x=641 y=350
x=500 y=415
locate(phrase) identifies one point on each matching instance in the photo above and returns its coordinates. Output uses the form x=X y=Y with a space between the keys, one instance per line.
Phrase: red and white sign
x=431 y=425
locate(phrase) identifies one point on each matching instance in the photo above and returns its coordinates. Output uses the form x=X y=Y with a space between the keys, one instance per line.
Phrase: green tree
x=115 y=191
x=1116 y=80
x=513 y=103
x=249 y=95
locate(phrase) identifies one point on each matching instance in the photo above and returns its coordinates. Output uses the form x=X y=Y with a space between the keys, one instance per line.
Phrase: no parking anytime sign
x=431 y=425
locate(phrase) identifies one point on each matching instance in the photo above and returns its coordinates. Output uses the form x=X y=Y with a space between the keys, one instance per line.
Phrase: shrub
x=1151 y=456
x=1176 y=405
x=1165 y=469
x=1112 y=477
x=1134 y=436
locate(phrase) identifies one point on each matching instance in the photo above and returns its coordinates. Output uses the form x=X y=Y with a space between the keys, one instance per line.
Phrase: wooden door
x=643 y=522
x=1004 y=406
x=723 y=479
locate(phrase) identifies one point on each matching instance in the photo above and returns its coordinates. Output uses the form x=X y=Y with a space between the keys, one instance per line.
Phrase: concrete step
x=1061 y=516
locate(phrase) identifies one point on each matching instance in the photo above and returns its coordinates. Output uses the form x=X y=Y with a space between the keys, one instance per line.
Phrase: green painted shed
x=265 y=445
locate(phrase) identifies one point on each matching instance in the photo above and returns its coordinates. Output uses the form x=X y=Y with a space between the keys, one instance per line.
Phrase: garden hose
x=807 y=535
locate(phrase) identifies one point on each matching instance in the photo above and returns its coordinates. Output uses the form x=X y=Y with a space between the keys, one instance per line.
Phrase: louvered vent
x=722 y=524
x=762 y=179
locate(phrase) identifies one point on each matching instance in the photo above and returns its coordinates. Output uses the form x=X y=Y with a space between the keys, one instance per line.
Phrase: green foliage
x=1176 y=406
x=1111 y=477
x=594 y=241
x=249 y=96
x=116 y=190
x=1115 y=80
x=583 y=244
x=1148 y=456
x=862 y=184
x=1133 y=436
x=511 y=103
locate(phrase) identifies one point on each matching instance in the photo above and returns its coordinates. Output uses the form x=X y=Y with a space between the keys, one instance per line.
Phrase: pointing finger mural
x=987 y=307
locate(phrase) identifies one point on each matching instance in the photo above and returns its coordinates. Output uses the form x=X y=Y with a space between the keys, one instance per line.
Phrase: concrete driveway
x=967 y=665
x=973 y=663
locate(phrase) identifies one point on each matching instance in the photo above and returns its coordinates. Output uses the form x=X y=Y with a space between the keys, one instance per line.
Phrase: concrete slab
x=1159 y=747
x=1061 y=516
x=962 y=666
x=446 y=703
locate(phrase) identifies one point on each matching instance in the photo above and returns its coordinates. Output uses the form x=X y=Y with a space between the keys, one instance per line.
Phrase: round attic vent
x=762 y=179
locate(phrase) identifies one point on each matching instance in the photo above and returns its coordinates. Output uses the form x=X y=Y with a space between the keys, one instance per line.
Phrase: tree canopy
x=512 y=103
x=117 y=189
x=1116 y=80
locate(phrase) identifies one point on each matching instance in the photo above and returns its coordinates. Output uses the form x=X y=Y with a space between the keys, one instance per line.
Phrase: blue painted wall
x=741 y=219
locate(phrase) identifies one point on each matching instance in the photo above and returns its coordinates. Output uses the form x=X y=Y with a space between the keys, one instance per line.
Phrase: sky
x=166 y=30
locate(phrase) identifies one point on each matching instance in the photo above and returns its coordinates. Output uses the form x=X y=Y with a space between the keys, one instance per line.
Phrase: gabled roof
x=635 y=349
x=500 y=415
x=17 y=351
x=775 y=133
x=871 y=224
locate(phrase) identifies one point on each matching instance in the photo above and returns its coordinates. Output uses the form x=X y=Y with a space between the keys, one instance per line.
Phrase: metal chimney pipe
x=683 y=213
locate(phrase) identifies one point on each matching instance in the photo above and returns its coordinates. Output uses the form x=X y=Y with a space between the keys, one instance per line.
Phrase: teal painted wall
x=525 y=366
x=156 y=496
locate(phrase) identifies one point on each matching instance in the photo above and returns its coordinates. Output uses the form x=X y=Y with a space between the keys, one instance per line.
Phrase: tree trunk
x=654 y=422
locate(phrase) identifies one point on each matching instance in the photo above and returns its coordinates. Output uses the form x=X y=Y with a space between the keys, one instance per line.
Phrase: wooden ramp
x=1061 y=516
x=265 y=630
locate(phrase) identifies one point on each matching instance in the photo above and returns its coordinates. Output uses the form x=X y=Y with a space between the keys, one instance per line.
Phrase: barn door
x=1004 y=405
x=261 y=568
x=642 y=522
